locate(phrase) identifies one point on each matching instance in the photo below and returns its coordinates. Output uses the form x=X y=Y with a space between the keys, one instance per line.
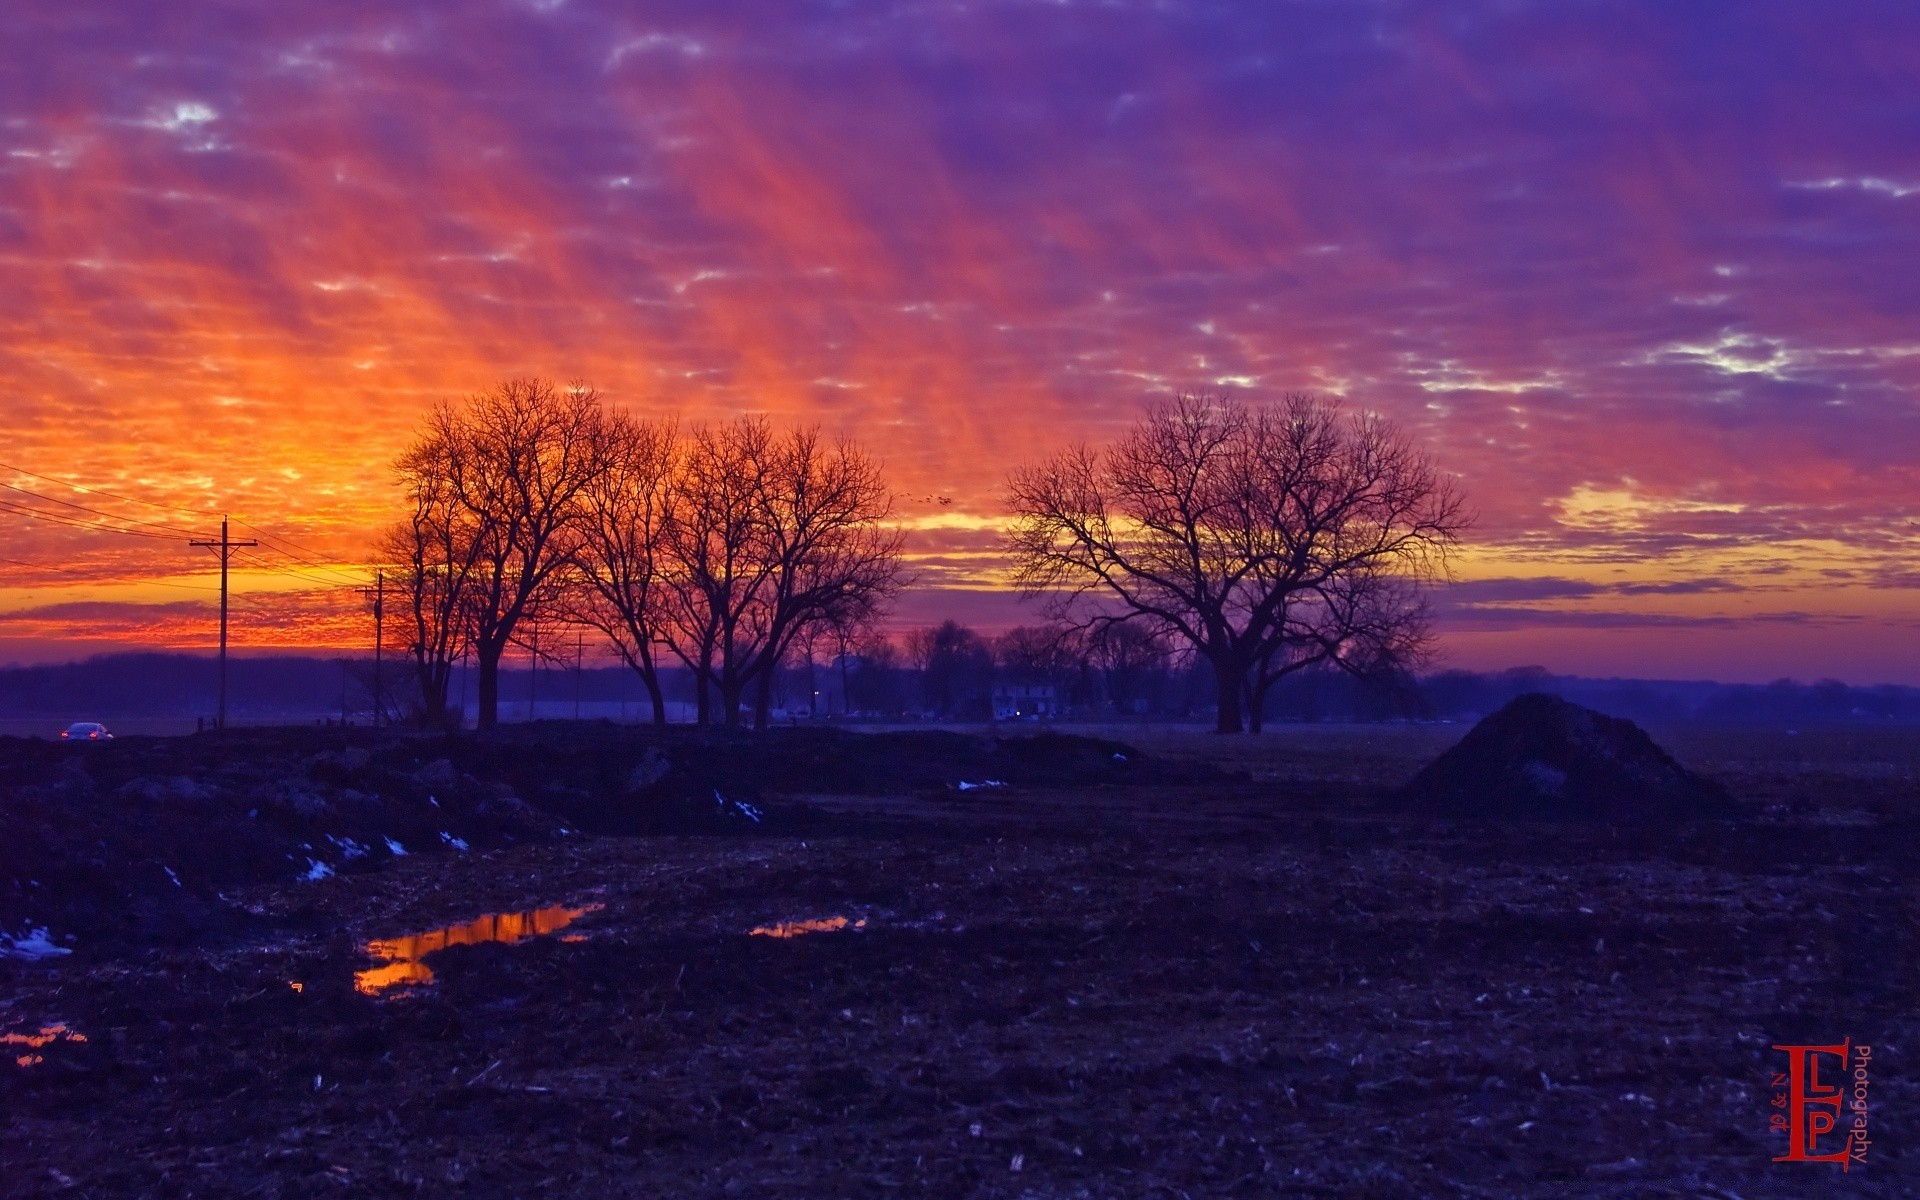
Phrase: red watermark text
x=1820 y=1103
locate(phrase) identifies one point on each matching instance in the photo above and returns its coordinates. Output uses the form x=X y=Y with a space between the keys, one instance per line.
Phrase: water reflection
x=33 y=1041
x=788 y=929
x=403 y=966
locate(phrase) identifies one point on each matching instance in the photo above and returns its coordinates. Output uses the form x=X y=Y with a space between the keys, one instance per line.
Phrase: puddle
x=48 y=1035
x=791 y=929
x=403 y=965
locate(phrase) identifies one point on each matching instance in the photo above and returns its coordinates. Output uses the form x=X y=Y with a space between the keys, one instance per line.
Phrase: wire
x=95 y=511
x=278 y=538
x=267 y=540
x=93 y=491
x=316 y=565
x=61 y=519
x=272 y=569
x=341 y=578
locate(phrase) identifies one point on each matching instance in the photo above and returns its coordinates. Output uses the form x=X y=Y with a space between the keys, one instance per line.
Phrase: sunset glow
x=1639 y=274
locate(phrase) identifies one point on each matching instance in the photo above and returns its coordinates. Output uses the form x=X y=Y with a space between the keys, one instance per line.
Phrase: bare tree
x=430 y=559
x=624 y=560
x=1127 y=655
x=513 y=463
x=956 y=669
x=1267 y=539
x=773 y=533
x=716 y=539
x=831 y=562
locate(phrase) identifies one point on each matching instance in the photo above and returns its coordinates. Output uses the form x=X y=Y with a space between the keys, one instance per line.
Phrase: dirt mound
x=1544 y=758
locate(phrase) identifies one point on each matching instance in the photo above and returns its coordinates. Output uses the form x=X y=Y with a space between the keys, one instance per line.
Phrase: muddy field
x=1179 y=965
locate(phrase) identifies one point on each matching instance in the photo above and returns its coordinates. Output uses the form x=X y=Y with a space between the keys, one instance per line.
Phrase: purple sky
x=1643 y=275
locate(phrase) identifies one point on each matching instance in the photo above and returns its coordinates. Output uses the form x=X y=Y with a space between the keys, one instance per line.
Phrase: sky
x=1640 y=274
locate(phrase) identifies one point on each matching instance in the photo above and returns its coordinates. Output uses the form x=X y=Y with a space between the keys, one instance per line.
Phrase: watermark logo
x=1820 y=1103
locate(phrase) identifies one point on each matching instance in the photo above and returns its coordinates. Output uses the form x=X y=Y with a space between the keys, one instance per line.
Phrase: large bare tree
x=512 y=464
x=625 y=561
x=772 y=532
x=832 y=563
x=717 y=543
x=1268 y=539
x=430 y=559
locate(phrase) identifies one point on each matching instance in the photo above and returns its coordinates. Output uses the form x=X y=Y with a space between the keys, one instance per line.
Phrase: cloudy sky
x=1641 y=274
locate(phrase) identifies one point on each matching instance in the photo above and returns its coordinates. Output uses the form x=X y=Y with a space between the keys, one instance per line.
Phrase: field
x=1242 y=976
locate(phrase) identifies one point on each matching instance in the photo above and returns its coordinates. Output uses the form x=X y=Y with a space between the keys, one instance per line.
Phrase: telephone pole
x=226 y=546
x=379 y=594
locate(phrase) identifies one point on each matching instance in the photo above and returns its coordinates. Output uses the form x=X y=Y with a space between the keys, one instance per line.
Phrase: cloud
x=1553 y=241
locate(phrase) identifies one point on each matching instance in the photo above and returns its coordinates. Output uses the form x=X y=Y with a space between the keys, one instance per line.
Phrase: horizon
x=519 y=664
x=1631 y=275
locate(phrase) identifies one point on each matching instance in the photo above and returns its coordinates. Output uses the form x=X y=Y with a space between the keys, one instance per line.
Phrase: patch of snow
x=432 y=801
x=349 y=849
x=32 y=944
x=456 y=843
x=1119 y=758
x=741 y=807
x=395 y=848
x=985 y=783
x=317 y=870
x=171 y=875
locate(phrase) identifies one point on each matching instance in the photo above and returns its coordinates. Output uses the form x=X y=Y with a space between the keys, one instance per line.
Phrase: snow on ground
x=32 y=944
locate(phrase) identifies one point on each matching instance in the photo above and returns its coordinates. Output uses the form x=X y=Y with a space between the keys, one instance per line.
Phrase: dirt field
x=1261 y=985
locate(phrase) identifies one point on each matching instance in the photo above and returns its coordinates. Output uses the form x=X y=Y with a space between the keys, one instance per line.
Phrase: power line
x=268 y=540
x=75 y=523
x=281 y=538
x=94 y=491
x=290 y=573
x=343 y=579
x=95 y=511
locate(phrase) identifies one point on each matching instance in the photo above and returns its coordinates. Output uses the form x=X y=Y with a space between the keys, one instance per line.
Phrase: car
x=85 y=731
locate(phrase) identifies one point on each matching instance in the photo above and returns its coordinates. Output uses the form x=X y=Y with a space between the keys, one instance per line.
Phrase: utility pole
x=379 y=594
x=226 y=546
x=579 y=669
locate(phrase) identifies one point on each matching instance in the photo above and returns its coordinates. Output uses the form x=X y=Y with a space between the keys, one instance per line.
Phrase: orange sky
x=1646 y=297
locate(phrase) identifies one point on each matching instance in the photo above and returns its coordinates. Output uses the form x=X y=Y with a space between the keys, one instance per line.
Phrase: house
x=1013 y=701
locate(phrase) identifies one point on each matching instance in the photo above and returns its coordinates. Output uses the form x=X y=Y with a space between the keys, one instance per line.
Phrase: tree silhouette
x=505 y=471
x=1268 y=539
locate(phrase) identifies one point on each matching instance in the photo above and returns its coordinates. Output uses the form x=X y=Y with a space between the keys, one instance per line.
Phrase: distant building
x=1012 y=701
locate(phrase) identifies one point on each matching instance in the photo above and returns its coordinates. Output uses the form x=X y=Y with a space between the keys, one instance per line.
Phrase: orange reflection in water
x=788 y=929
x=33 y=1041
x=403 y=966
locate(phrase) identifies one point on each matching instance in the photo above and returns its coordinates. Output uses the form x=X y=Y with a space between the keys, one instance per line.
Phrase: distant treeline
x=944 y=674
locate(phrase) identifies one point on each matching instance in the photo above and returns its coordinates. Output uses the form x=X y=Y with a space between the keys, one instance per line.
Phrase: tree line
x=1258 y=541
x=717 y=545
